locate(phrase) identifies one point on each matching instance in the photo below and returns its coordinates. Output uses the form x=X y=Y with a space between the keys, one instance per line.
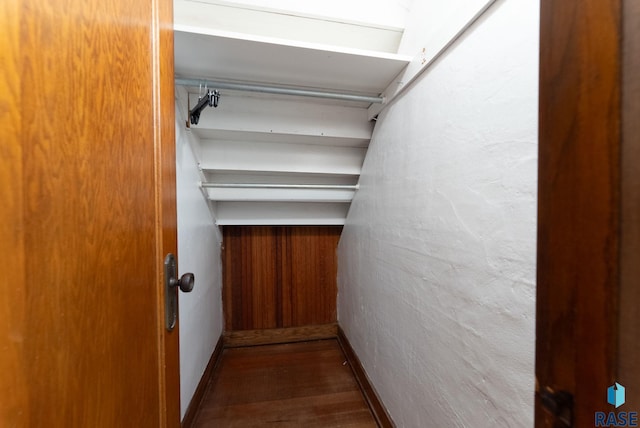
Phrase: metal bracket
x=211 y=99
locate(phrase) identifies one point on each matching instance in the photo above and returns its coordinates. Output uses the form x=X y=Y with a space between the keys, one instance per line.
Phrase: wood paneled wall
x=279 y=276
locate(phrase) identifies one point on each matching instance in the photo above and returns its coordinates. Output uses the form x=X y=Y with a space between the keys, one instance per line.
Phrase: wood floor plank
x=289 y=385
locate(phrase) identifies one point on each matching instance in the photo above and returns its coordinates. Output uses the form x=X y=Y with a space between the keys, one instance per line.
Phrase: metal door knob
x=185 y=282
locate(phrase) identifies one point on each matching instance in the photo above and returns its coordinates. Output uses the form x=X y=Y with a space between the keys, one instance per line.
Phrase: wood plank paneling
x=277 y=277
x=313 y=275
x=293 y=385
x=263 y=276
x=284 y=254
x=250 y=277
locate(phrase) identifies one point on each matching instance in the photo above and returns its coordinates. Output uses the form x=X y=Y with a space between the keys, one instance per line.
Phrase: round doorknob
x=186 y=282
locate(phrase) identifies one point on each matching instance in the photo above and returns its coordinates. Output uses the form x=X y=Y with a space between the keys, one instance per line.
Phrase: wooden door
x=88 y=212
x=589 y=207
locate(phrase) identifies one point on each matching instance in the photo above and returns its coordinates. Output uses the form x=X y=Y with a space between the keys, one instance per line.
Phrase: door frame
x=588 y=275
x=166 y=203
x=629 y=293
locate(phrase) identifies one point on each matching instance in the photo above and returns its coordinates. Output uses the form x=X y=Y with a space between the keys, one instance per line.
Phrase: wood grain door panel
x=88 y=149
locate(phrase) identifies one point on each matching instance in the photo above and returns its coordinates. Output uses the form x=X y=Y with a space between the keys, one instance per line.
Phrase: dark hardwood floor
x=306 y=384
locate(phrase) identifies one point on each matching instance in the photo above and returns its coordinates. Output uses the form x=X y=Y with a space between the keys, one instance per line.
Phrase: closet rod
x=280 y=186
x=279 y=90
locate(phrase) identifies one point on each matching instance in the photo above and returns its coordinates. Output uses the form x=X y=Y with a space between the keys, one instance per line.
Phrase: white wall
x=198 y=252
x=437 y=259
x=433 y=23
x=381 y=12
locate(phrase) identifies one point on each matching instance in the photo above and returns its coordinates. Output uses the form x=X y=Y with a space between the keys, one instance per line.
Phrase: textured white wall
x=198 y=252
x=437 y=259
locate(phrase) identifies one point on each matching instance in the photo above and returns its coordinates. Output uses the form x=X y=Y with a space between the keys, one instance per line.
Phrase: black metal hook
x=211 y=99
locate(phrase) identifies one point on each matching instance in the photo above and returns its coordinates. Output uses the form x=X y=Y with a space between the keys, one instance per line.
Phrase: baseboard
x=373 y=400
x=198 y=395
x=233 y=339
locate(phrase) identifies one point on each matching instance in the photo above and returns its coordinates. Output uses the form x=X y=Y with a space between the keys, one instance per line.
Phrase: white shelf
x=243 y=176
x=290 y=24
x=280 y=195
x=206 y=53
x=273 y=137
x=282 y=158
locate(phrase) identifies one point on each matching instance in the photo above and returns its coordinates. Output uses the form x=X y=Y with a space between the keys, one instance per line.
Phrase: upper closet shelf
x=219 y=55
